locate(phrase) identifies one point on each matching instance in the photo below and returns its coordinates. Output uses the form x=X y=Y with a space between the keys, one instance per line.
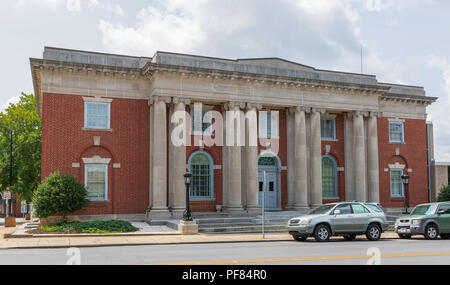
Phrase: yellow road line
x=303 y=259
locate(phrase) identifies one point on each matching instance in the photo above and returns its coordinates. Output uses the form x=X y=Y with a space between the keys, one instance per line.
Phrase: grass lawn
x=111 y=226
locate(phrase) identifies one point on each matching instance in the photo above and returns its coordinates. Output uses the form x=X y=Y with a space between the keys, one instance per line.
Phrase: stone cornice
x=153 y=69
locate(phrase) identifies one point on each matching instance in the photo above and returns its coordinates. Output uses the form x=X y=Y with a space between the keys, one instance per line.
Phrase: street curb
x=166 y=243
x=30 y=236
x=140 y=244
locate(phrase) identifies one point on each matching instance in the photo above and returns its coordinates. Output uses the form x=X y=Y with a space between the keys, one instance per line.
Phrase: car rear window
x=424 y=210
x=374 y=207
x=359 y=209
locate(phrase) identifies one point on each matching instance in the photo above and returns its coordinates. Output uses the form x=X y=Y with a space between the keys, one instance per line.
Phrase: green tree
x=444 y=195
x=59 y=194
x=23 y=120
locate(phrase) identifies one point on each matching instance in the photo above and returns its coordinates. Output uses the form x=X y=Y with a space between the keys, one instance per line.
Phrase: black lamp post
x=405 y=180
x=187 y=213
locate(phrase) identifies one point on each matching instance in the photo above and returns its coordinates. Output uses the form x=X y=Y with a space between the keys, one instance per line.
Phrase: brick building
x=322 y=136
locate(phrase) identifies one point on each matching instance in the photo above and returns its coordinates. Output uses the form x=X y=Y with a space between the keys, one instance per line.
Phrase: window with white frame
x=201 y=167
x=97 y=115
x=201 y=120
x=396 y=183
x=328 y=128
x=96 y=181
x=329 y=177
x=396 y=132
x=268 y=124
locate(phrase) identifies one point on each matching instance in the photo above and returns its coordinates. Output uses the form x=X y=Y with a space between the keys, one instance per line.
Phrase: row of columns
x=305 y=168
x=241 y=191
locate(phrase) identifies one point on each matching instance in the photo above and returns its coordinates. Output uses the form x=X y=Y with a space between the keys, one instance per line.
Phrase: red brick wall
x=413 y=153
x=64 y=142
x=216 y=154
x=337 y=151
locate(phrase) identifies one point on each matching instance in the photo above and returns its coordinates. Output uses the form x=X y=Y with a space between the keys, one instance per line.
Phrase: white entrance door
x=271 y=188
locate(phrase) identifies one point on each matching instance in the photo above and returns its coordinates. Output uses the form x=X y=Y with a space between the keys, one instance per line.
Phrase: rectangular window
x=396 y=183
x=96 y=181
x=268 y=124
x=97 y=115
x=201 y=120
x=396 y=132
x=328 y=128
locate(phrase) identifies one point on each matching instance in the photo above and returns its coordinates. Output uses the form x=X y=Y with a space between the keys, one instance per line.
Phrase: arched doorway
x=269 y=164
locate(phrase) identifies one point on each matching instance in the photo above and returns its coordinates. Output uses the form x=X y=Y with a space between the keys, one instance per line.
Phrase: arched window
x=202 y=169
x=267 y=161
x=329 y=177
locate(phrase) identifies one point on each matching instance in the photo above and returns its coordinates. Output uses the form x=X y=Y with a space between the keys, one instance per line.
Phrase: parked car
x=430 y=220
x=347 y=219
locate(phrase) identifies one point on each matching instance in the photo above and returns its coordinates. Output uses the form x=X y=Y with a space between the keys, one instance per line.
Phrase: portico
x=323 y=136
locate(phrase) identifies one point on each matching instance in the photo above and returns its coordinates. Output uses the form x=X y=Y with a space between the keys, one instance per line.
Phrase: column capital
x=375 y=114
x=156 y=99
x=322 y=111
x=233 y=104
x=250 y=106
x=300 y=109
x=177 y=100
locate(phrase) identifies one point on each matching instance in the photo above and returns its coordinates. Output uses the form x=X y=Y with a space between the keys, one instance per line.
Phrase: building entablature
x=270 y=82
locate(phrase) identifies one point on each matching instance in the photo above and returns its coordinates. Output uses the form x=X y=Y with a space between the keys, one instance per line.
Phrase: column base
x=234 y=209
x=177 y=213
x=188 y=228
x=159 y=214
x=303 y=209
x=253 y=209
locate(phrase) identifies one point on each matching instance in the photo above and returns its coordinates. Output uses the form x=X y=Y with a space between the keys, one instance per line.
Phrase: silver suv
x=347 y=219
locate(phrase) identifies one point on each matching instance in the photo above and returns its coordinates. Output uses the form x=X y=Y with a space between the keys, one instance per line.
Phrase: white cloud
x=53 y=4
x=114 y=8
x=12 y=100
x=440 y=114
x=155 y=30
x=73 y=5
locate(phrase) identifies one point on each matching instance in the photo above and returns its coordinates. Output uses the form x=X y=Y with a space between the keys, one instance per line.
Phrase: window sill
x=330 y=198
x=397 y=142
x=201 y=199
x=329 y=140
x=96 y=130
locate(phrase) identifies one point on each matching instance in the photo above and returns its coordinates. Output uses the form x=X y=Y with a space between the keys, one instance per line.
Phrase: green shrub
x=444 y=195
x=59 y=194
x=111 y=226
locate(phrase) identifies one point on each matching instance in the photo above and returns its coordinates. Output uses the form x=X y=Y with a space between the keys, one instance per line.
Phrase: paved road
x=414 y=251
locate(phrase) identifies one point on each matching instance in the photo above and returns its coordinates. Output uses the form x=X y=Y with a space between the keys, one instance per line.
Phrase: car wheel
x=445 y=236
x=431 y=232
x=322 y=233
x=300 y=238
x=373 y=232
x=350 y=237
x=403 y=236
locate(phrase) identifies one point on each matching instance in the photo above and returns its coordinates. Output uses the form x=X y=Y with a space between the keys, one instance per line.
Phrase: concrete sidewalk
x=93 y=240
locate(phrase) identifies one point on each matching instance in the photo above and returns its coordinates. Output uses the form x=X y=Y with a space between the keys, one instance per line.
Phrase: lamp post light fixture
x=405 y=180
x=187 y=217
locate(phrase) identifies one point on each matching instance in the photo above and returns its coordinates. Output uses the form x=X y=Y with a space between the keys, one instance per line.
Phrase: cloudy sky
x=403 y=41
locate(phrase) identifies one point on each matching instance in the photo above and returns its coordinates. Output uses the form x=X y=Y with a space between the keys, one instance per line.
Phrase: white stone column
x=251 y=154
x=301 y=160
x=159 y=209
x=235 y=139
x=348 y=148
x=179 y=160
x=316 y=158
x=290 y=139
x=359 y=157
x=372 y=158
